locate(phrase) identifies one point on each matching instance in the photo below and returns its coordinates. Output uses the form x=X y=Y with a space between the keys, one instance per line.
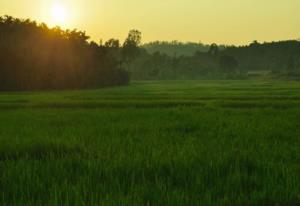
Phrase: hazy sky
x=208 y=21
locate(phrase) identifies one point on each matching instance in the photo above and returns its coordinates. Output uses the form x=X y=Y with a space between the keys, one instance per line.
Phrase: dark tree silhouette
x=175 y=48
x=35 y=57
x=112 y=43
x=131 y=46
x=214 y=50
x=134 y=37
x=161 y=60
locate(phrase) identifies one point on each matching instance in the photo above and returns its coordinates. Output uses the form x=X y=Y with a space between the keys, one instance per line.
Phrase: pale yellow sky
x=208 y=21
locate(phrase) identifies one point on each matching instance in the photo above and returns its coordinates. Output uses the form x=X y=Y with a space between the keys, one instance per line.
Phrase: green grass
x=153 y=143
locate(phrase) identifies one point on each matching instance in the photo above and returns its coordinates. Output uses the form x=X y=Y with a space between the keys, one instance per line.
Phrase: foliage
x=162 y=60
x=273 y=56
x=228 y=64
x=175 y=48
x=131 y=45
x=35 y=57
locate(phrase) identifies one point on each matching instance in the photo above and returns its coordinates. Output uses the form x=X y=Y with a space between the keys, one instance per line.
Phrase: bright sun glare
x=58 y=14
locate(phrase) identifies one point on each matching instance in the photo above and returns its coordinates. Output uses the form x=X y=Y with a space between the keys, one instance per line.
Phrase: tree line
x=36 y=57
x=156 y=60
x=211 y=62
x=176 y=48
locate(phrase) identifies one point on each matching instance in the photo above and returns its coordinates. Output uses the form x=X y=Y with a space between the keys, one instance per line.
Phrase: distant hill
x=176 y=48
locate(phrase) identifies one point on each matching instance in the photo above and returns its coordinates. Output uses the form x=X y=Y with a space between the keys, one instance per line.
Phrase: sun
x=58 y=14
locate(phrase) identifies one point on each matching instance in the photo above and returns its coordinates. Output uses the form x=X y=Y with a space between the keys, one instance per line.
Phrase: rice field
x=153 y=143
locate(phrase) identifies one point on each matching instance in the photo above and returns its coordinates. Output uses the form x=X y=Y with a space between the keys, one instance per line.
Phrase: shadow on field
x=3 y=101
x=83 y=105
x=254 y=105
x=41 y=151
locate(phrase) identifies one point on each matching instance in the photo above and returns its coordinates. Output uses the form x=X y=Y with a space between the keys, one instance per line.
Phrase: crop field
x=153 y=143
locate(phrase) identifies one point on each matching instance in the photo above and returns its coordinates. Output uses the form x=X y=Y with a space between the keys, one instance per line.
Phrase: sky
x=236 y=22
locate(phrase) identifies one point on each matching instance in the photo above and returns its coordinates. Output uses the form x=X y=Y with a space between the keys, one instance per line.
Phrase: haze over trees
x=35 y=57
x=175 y=48
x=157 y=60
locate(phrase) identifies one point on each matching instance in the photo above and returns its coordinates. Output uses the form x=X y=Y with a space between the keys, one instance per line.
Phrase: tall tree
x=131 y=46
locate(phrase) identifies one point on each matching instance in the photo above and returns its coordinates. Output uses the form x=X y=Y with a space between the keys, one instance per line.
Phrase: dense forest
x=157 y=60
x=35 y=57
x=175 y=48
